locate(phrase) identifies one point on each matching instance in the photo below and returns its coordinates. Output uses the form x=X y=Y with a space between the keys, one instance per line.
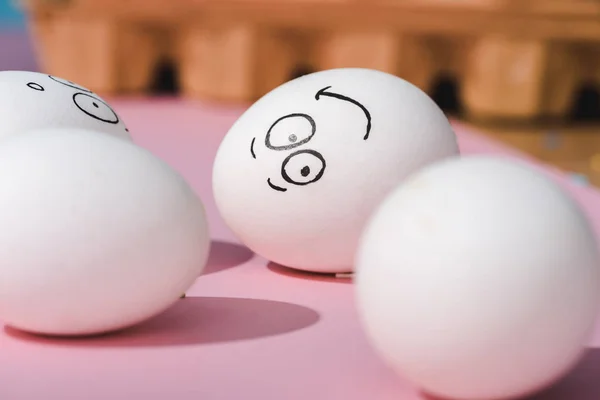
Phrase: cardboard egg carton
x=512 y=59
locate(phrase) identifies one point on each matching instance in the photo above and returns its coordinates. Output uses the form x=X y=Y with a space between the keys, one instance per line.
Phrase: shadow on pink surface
x=313 y=276
x=225 y=255
x=581 y=383
x=198 y=321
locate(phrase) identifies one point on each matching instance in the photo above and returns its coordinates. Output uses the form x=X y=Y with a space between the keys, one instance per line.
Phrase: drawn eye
x=290 y=131
x=303 y=167
x=69 y=84
x=35 y=86
x=95 y=108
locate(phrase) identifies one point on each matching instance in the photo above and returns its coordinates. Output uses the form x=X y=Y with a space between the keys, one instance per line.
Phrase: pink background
x=248 y=330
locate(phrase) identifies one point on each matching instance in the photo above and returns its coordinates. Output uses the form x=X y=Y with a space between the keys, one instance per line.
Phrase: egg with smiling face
x=33 y=100
x=299 y=173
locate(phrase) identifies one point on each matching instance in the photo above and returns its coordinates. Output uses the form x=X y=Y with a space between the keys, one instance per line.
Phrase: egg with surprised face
x=299 y=173
x=32 y=100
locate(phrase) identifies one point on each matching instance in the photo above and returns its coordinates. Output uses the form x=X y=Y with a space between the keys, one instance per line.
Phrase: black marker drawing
x=324 y=92
x=36 y=86
x=290 y=137
x=69 y=84
x=279 y=189
x=305 y=170
x=95 y=108
x=252 y=148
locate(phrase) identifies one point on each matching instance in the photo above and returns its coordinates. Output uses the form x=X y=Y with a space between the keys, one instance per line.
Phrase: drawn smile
x=278 y=188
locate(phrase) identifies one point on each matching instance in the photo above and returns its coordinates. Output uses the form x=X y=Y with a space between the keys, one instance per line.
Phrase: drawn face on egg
x=33 y=100
x=84 y=99
x=291 y=135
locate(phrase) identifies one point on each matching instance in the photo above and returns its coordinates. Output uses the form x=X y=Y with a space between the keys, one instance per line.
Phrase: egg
x=478 y=278
x=32 y=100
x=298 y=174
x=97 y=233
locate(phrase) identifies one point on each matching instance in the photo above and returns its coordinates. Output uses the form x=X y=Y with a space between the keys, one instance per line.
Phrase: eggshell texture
x=298 y=174
x=97 y=233
x=32 y=100
x=478 y=278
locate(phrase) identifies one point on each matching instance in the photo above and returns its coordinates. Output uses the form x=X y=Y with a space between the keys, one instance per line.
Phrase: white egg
x=32 y=100
x=97 y=233
x=478 y=278
x=298 y=174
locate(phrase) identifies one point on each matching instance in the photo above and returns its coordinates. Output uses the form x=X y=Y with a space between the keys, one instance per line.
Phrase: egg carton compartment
x=509 y=59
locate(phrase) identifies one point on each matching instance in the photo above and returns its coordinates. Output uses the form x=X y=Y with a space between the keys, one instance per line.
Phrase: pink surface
x=248 y=330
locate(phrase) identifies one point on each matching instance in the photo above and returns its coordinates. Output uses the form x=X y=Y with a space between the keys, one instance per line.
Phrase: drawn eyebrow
x=324 y=92
x=252 y=148
x=69 y=84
